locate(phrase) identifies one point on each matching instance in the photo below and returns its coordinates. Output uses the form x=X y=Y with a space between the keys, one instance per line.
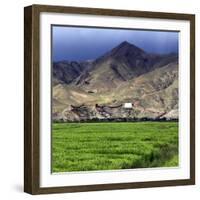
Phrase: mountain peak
x=125 y=48
x=124 y=43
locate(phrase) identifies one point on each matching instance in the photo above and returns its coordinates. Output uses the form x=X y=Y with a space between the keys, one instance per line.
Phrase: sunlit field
x=110 y=146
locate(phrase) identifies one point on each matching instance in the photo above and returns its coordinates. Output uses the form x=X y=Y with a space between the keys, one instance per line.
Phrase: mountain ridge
x=124 y=74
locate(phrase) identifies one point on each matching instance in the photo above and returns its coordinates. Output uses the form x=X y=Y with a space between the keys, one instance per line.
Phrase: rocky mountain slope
x=100 y=89
x=66 y=72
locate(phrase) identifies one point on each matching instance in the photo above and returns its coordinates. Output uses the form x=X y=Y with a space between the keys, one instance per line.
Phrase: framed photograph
x=109 y=99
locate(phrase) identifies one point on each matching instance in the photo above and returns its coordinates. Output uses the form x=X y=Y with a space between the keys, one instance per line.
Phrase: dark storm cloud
x=76 y=43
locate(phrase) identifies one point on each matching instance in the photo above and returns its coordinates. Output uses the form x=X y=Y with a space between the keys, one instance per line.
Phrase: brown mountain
x=124 y=62
x=66 y=72
x=99 y=89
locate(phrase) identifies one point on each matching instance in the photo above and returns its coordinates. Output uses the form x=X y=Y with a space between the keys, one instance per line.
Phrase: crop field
x=109 y=146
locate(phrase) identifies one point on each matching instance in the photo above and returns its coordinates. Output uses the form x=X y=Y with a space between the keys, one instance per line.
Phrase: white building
x=128 y=105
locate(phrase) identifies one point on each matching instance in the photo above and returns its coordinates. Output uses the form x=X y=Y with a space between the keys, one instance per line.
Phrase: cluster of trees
x=118 y=120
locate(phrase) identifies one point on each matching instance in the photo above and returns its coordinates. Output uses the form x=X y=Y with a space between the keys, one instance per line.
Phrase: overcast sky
x=80 y=43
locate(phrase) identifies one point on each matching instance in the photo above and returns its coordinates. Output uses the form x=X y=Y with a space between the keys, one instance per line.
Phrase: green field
x=108 y=146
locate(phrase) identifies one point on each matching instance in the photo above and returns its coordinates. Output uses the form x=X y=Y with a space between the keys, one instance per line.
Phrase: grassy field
x=106 y=146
